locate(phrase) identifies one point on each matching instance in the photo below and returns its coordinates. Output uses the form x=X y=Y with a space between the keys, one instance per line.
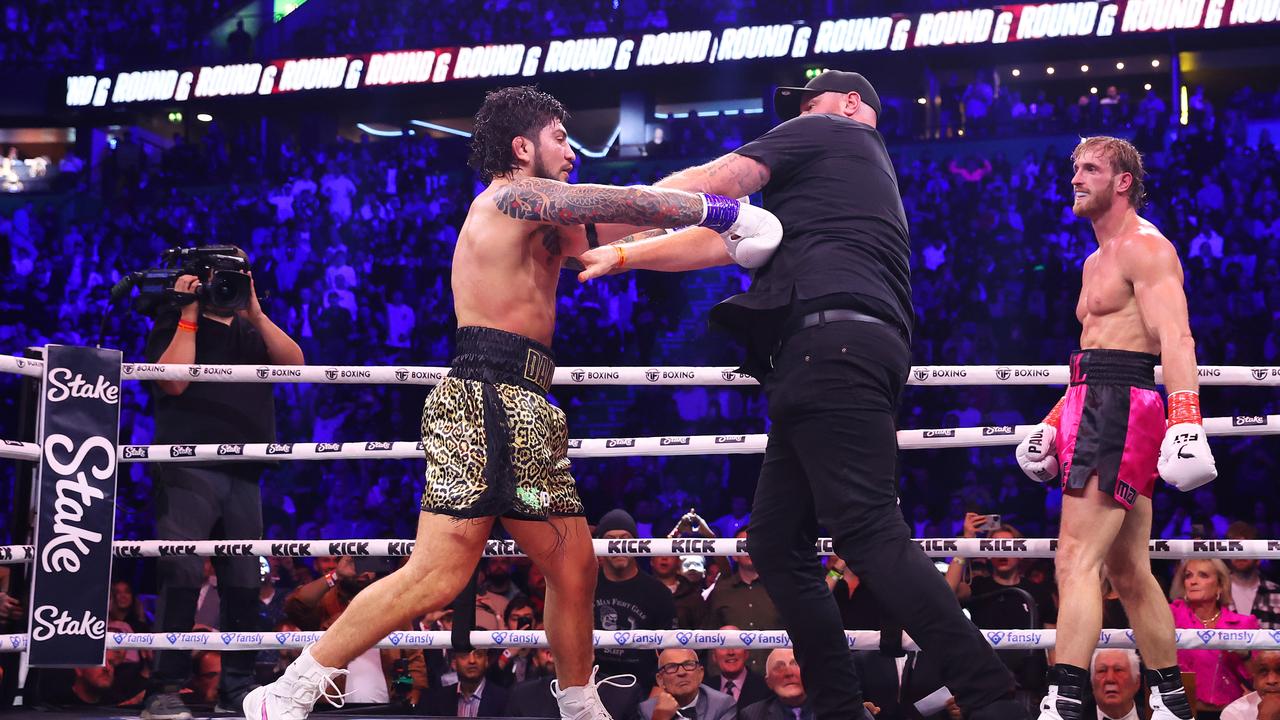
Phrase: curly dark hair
x=505 y=114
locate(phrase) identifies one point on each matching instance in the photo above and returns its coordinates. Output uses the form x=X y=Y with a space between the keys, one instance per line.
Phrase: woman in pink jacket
x=1202 y=599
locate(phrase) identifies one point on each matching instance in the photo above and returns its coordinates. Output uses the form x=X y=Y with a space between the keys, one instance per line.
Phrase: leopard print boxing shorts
x=495 y=447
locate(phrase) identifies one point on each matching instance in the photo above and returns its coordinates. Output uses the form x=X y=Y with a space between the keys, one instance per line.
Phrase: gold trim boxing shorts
x=495 y=446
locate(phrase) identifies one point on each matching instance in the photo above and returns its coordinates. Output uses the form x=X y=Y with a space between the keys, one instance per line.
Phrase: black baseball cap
x=786 y=100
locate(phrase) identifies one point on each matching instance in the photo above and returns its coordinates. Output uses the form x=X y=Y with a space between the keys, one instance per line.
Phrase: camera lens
x=228 y=289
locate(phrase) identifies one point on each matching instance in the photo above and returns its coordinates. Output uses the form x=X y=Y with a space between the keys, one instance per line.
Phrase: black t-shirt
x=845 y=241
x=214 y=412
x=1008 y=610
x=641 y=603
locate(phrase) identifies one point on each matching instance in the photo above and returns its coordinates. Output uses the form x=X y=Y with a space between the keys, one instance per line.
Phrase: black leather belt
x=822 y=317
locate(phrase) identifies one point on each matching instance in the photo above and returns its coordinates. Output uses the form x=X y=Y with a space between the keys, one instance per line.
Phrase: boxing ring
x=374 y=449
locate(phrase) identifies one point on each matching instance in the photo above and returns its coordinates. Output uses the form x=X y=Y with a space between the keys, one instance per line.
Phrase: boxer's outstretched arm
x=551 y=201
x=1152 y=265
x=732 y=174
x=693 y=248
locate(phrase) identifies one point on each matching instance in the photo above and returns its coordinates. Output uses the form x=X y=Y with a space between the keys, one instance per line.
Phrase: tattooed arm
x=732 y=175
x=550 y=201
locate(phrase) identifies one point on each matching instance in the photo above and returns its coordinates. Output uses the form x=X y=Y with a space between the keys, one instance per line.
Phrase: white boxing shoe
x=294 y=694
x=583 y=702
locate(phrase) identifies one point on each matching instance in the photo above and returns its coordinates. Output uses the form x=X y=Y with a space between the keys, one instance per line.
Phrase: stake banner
x=75 y=523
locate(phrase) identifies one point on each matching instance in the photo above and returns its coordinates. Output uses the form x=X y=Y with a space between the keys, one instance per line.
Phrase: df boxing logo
x=1003 y=373
x=652 y=374
x=263 y=373
x=402 y=374
x=331 y=373
x=578 y=375
x=1259 y=374
x=920 y=374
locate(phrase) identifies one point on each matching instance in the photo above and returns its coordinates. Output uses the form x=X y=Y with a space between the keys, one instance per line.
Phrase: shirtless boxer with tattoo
x=495 y=447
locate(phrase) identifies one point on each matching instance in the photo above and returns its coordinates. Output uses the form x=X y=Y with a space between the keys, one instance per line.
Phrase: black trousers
x=831 y=461
x=207 y=503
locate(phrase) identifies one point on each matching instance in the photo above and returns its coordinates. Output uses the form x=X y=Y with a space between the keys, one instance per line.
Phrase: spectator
x=533 y=698
x=1116 y=678
x=858 y=609
x=789 y=701
x=1252 y=594
x=628 y=599
x=1202 y=599
x=515 y=665
x=126 y=608
x=691 y=609
x=993 y=602
x=1264 y=702
x=400 y=323
x=472 y=696
x=317 y=604
x=681 y=693
x=89 y=686
x=740 y=600
x=734 y=678
x=739 y=513
x=239 y=41
x=491 y=606
x=203 y=686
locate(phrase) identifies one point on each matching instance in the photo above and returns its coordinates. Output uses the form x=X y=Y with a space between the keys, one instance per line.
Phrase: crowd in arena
x=350 y=244
x=997 y=257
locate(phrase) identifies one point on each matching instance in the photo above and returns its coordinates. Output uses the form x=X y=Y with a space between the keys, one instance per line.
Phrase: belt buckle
x=539 y=369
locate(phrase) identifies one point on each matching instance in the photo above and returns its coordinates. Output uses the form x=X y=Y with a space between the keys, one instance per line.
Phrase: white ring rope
x=646 y=547
x=985 y=436
x=1017 y=639
x=933 y=375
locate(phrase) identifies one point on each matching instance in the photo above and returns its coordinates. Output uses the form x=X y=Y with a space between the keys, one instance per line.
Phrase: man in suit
x=533 y=698
x=682 y=694
x=735 y=679
x=789 y=701
x=1116 y=682
x=472 y=696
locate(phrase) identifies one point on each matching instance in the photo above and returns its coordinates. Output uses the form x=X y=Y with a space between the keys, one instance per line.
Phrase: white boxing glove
x=751 y=234
x=1186 y=462
x=1038 y=453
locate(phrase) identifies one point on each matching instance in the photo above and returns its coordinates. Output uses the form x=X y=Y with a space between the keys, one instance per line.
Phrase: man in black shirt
x=210 y=500
x=826 y=324
x=629 y=599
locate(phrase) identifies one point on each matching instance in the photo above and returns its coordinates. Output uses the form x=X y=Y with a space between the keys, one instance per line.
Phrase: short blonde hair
x=1124 y=158
x=1178 y=590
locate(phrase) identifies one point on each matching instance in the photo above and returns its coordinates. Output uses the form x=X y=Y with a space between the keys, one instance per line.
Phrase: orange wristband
x=1055 y=415
x=1184 y=407
x=187 y=326
x=622 y=255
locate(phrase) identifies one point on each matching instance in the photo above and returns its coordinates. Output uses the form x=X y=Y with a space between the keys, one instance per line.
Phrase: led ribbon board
x=996 y=25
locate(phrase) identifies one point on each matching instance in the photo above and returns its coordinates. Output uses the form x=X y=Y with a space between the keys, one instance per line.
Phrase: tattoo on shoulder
x=574 y=264
x=548 y=201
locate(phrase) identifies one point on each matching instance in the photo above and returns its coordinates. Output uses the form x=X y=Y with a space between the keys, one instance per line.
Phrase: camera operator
x=210 y=500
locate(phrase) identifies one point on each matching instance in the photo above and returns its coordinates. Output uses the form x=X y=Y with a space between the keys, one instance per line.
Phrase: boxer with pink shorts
x=1112 y=424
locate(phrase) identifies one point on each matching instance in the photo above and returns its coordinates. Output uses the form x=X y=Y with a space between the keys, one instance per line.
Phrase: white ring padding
x=652 y=639
x=987 y=436
x=647 y=547
x=931 y=375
